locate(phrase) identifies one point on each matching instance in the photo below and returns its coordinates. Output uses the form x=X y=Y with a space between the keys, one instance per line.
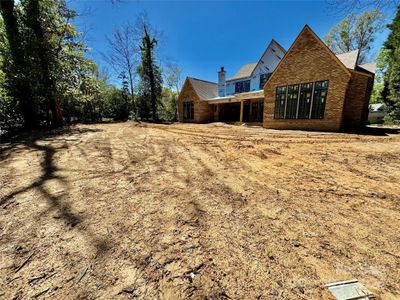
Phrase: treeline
x=359 y=32
x=389 y=72
x=47 y=80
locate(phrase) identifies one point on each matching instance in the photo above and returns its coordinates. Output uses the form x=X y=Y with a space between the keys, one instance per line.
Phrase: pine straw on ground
x=197 y=212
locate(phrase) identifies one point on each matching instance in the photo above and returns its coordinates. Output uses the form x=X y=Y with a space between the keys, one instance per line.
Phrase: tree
x=15 y=74
x=351 y=6
x=150 y=85
x=122 y=57
x=391 y=72
x=44 y=74
x=355 y=32
x=173 y=79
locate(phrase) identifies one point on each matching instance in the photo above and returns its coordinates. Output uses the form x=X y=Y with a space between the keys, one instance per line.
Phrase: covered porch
x=239 y=108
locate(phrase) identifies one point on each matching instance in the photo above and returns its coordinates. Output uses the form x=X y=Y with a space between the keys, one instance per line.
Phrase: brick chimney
x=221 y=83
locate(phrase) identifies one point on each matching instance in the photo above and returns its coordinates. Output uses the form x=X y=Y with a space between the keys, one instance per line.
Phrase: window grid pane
x=242 y=86
x=305 y=100
x=302 y=101
x=280 y=102
x=291 y=106
x=320 y=93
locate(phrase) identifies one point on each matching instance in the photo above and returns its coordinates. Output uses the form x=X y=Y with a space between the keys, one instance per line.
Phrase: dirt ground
x=143 y=211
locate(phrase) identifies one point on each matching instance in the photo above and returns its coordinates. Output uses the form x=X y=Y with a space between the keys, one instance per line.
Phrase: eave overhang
x=237 y=97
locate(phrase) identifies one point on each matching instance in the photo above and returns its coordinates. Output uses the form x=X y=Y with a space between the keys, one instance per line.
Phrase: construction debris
x=349 y=290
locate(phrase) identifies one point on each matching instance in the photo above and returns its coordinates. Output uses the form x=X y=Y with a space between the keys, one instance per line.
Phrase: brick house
x=308 y=87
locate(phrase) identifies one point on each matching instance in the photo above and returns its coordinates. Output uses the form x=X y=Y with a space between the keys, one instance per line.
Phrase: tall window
x=305 y=100
x=257 y=111
x=263 y=79
x=188 y=110
x=242 y=86
x=280 y=102
x=301 y=101
x=318 y=105
x=292 y=98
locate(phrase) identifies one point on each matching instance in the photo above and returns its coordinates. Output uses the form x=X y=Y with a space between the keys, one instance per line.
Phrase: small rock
x=300 y=288
x=274 y=293
x=280 y=283
x=296 y=244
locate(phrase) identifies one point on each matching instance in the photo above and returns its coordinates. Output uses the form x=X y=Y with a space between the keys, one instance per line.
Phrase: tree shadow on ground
x=379 y=131
x=40 y=141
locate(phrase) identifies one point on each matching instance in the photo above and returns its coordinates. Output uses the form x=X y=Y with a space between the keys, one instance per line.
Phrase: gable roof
x=269 y=47
x=371 y=67
x=307 y=28
x=375 y=107
x=245 y=71
x=349 y=59
x=248 y=69
x=204 y=89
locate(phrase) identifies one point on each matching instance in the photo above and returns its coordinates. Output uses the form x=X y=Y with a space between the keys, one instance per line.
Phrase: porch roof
x=237 y=97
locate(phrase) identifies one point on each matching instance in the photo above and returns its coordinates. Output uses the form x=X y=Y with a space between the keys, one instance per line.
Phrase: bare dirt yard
x=117 y=211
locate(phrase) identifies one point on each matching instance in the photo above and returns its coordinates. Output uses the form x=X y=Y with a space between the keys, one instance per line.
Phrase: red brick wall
x=308 y=60
x=355 y=111
x=203 y=112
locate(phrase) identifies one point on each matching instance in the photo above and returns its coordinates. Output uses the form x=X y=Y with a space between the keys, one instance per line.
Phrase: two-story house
x=307 y=87
x=239 y=98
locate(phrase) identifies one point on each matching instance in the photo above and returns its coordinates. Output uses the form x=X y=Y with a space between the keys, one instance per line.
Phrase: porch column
x=241 y=111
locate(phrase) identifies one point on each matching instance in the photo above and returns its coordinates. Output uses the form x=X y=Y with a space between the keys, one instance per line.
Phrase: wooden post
x=241 y=111
x=251 y=112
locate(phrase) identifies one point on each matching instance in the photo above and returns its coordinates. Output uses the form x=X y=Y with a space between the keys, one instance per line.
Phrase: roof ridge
x=280 y=46
x=318 y=39
x=348 y=51
x=201 y=80
x=265 y=51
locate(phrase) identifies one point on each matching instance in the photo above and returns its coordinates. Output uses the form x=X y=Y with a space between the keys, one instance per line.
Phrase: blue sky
x=203 y=36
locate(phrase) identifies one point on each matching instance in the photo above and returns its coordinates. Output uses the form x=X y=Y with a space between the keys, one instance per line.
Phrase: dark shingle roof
x=204 y=89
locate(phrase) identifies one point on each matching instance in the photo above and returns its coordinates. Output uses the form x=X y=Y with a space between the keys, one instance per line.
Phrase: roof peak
x=198 y=79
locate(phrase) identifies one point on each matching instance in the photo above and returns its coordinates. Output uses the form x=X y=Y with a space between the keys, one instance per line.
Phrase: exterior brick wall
x=355 y=113
x=203 y=112
x=308 y=60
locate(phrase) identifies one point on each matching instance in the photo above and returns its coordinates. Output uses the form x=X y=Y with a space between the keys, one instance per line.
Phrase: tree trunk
x=22 y=89
x=33 y=16
x=151 y=75
x=132 y=94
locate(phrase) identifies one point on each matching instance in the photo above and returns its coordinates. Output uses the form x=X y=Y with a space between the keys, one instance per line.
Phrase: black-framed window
x=292 y=99
x=280 y=100
x=257 y=111
x=242 y=86
x=305 y=100
x=188 y=110
x=263 y=79
x=319 y=99
x=301 y=101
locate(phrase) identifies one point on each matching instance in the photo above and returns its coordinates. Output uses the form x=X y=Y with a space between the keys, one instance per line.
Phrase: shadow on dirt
x=380 y=131
x=41 y=141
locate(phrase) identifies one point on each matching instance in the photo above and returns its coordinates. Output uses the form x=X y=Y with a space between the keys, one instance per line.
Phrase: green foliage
x=376 y=95
x=391 y=69
x=393 y=118
x=47 y=79
x=169 y=99
x=44 y=71
x=356 y=32
x=10 y=116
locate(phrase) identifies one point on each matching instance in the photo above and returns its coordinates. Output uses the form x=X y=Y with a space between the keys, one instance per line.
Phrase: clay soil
x=116 y=211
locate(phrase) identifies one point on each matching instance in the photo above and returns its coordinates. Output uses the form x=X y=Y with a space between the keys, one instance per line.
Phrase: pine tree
x=391 y=93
